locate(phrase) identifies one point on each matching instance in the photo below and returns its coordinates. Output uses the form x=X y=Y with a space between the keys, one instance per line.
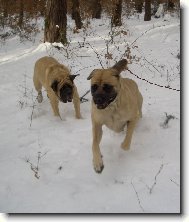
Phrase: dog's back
x=40 y=68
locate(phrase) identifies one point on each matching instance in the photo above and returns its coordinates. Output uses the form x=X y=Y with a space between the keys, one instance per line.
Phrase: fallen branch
x=139 y=202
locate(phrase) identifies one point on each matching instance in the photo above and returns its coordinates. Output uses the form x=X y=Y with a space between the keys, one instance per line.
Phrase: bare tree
x=116 y=15
x=76 y=14
x=147 y=15
x=56 y=21
x=97 y=9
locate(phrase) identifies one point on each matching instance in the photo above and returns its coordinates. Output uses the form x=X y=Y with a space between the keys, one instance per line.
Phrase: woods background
x=22 y=15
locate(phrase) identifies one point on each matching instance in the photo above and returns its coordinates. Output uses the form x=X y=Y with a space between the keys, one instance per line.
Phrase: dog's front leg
x=54 y=103
x=97 y=157
x=130 y=128
x=76 y=102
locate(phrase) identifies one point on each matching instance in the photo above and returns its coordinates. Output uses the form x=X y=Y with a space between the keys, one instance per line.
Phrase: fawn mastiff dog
x=116 y=103
x=58 y=82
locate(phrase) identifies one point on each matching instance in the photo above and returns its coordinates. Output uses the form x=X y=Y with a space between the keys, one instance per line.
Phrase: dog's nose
x=99 y=100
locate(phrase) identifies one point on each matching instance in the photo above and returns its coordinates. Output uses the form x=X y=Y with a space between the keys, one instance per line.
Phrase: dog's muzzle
x=65 y=100
x=66 y=93
x=102 y=101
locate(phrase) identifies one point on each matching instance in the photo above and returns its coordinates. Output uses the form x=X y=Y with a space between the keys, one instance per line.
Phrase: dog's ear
x=91 y=74
x=54 y=85
x=120 y=66
x=115 y=73
x=72 y=77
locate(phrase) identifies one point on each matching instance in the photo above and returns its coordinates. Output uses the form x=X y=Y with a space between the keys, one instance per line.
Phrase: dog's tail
x=121 y=65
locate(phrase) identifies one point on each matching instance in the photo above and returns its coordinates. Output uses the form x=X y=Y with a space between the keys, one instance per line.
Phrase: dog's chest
x=115 y=121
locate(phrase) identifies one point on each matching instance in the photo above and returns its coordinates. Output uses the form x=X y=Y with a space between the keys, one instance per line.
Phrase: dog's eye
x=107 y=88
x=94 y=88
x=66 y=89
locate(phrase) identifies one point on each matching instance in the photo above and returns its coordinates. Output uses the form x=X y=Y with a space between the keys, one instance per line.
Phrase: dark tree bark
x=147 y=15
x=4 y=11
x=170 y=5
x=21 y=14
x=56 y=21
x=76 y=14
x=138 y=6
x=5 y=8
x=116 y=15
x=97 y=9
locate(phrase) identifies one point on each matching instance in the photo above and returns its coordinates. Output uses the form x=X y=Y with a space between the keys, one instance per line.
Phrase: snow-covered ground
x=145 y=179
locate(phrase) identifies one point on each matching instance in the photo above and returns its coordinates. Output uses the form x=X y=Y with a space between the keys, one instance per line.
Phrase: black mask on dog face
x=103 y=95
x=66 y=93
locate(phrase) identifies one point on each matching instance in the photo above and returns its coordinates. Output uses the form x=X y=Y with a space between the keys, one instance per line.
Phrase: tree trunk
x=116 y=15
x=96 y=13
x=170 y=5
x=4 y=5
x=138 y=6
x=75 y=14
x=21 y=14
x=56 y=21
x=147 y=15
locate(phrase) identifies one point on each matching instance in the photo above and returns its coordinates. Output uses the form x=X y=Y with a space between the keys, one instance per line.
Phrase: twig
x=82 y=99
x=84 y=68
x=118 y=181
x=152 y=83
x=34 y=169
x=175 y=182
x=38 y=159
x=139 y=202
x=97 y=55
x=168 y=118
x=152 y=65
x=148 y=188
x=31 y=117
x=44 y=154
x=145 y=33
x=155 y=179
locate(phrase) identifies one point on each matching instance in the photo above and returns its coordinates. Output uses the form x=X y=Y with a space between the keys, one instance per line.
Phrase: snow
x=160 y=11
x=145 y=179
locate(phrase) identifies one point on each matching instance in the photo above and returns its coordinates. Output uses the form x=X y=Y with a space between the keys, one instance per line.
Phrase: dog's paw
x=78 y=117
x=98 y=166
x=99 y=169
x=40 y=98
x=125 y=146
